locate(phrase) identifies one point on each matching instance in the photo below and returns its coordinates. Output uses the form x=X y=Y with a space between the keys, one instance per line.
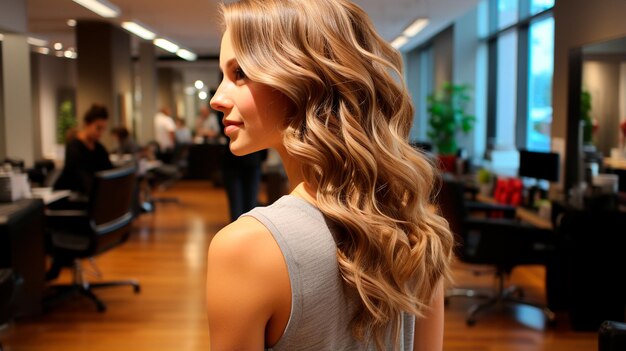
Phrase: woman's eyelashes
x=239 y=74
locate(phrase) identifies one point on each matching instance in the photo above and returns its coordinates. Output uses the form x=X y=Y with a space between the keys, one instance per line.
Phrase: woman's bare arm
x=429 y=330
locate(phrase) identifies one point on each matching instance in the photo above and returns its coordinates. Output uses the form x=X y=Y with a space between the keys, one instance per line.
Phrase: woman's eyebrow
x=228 y=64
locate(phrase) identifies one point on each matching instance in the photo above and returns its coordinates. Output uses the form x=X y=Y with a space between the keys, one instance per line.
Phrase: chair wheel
x=137 y=289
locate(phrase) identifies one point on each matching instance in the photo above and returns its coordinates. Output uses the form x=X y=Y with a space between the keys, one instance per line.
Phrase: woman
x=84 y=155
x=353 y=258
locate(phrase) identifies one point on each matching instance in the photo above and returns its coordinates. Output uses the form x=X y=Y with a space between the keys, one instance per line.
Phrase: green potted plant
x=585 y=117
x=448 y=117
x=65 y=121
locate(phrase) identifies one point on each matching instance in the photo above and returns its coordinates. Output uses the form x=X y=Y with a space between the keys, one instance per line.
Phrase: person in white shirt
x=183 y=133
x=164 y=132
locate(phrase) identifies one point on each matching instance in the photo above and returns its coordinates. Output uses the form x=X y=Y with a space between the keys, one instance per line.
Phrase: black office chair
x=8 y=287
x=76 y=235
x=612 y=336
x=501 y=243
x=591 y=265
x=41 y=173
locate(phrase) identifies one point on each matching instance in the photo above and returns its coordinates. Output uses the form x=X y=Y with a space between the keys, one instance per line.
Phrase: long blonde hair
x=349 y=128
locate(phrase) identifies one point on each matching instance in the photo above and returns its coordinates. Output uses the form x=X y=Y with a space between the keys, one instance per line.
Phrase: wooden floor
x=167 y=254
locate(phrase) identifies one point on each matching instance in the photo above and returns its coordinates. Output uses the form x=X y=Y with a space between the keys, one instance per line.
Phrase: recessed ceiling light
x=71 y=22
x=58 y=46
x=199 y=84
x=203 y=95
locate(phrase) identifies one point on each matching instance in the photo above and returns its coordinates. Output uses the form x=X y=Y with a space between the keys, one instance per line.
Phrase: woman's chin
x=237 y=149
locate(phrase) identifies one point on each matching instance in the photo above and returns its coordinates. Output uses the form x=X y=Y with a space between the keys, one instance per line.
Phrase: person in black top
x=84 y=155
x=241 y=176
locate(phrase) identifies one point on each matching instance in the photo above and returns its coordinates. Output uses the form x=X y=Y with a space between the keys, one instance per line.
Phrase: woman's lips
x=231 y=127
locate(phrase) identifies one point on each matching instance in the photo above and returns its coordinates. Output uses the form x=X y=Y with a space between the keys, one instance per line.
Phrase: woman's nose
x=219 y=101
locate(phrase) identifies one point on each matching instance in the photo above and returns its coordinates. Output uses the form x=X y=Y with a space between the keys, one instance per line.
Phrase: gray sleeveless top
x=321 y=309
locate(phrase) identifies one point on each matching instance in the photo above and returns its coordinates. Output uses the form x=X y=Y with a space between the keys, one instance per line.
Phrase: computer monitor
x=539 y=165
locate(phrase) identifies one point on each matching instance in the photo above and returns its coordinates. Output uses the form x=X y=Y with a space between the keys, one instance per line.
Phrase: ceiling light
x=199 y=84
x=58 y=46
x=139 y=30
x=203 y=95
x=71 y=22
x=186 y=54
x=166 y=45
x=36 y=41
x=59 y=54
x=415 y=27
x=43 y=50
x=68 y=54
x=101 y=7
x=399 y=42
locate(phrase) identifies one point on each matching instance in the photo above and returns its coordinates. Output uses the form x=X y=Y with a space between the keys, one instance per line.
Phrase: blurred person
x=165 y=134
x=125 y=143
x=182 y=133
x=84 y=155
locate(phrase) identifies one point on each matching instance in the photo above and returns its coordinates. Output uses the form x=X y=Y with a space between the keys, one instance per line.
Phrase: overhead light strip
x=399 y=42
x=139 y=30
x=186 y=54
x=166 y=45
x=101 y=7
x=417 y=26
x=36 y=41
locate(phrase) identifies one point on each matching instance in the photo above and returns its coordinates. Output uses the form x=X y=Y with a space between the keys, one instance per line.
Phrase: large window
x=507 y=12
x=537 y=6
x=541 y=62
x=521 y=60
x=507 y=88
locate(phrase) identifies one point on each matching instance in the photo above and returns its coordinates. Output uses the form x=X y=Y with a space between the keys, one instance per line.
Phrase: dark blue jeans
x=242 y=187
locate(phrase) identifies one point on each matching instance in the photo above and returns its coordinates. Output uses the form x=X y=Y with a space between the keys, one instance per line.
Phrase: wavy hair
x=349 y=130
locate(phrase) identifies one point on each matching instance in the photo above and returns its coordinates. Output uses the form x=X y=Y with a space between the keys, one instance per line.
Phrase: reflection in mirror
x=604 y=95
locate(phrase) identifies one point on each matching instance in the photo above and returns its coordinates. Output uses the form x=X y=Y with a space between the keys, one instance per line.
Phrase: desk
x=22 y=249
x=615 y=163
x=48 y=196
x=524 y=214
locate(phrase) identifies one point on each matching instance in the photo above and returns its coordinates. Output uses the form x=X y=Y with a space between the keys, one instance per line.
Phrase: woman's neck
x=297 y=184
x=82 y=136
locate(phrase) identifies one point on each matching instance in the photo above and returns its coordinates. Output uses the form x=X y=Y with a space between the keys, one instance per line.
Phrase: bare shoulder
x=245 y=238
x=246 y=247
x=248 y=289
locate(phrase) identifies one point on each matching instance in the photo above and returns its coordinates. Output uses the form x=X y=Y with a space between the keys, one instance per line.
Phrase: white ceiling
x=193 y=23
